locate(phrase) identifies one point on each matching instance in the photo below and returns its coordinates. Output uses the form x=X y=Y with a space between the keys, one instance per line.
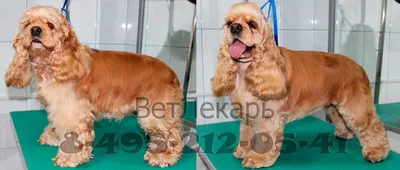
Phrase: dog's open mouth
x=238 y=48
x=36 y=43
x=36 y=40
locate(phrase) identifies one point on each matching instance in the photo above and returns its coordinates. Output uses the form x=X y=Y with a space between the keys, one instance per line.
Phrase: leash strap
x=95 y=50
x=272 y=6
x=65 y=11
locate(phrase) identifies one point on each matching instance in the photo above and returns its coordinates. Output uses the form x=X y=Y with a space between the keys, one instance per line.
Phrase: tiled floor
x=9 y=155
x=10 y=158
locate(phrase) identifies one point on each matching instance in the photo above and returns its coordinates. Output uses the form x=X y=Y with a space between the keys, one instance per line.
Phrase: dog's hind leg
x=163 y=123
x=341 y=131
x=360 y=117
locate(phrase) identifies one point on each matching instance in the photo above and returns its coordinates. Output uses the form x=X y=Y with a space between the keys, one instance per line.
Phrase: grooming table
x=390 y=116
x=305 y=155
x=29 y=125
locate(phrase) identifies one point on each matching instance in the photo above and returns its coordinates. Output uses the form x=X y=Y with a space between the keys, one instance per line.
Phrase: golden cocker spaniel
x=253 y=69
x=78 y=86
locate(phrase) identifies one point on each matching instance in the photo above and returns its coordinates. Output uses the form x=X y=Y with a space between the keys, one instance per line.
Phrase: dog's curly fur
x=292 y=84
x=78 y=86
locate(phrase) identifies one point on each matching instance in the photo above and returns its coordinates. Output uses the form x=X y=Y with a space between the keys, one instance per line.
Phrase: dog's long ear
x=71 y=60
x=19 y=72
x=224 y=80
x=266 y=76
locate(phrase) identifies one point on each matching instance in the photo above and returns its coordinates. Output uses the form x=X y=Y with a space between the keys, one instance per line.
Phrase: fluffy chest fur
x=251 y=106
x=59 y=95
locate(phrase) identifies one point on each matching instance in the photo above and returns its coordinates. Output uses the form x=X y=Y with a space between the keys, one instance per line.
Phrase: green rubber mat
x=312 y=136
x=389 y=114
x=29 y=125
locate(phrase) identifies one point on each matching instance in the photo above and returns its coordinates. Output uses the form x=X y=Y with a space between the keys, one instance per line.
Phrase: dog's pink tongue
x=237 y=49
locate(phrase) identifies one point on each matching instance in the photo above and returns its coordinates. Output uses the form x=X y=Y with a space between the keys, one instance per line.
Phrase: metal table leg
x=380 y=52
x=139 y=40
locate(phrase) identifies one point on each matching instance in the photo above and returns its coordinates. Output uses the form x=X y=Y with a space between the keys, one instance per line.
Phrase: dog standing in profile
x=251 y=68
x=78 y=86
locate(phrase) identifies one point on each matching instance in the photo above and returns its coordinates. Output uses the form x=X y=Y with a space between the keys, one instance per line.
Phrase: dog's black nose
x=35 y=31
x=236 y=28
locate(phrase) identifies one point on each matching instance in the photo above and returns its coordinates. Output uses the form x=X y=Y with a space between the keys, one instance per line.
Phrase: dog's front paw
x=163 y=159
x=240 y=152
x=256 y=160
x=251 y=162
x=73 y=159
x=49 y=139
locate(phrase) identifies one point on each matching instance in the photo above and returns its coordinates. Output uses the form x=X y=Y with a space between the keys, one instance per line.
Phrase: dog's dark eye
x=252 y=24
x=51 y=25
x=229 y=23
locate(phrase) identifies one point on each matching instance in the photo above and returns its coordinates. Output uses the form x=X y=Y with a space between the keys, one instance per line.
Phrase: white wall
x=359 y=38
x=168 y=25
x=303 y=25
x=107 y=25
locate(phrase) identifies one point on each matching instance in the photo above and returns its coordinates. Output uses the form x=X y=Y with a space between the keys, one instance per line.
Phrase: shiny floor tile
x=7 y=139
x=10 y=159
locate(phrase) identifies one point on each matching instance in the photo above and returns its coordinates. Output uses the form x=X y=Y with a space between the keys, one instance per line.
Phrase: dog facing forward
x=78 y=86
x=252 y=69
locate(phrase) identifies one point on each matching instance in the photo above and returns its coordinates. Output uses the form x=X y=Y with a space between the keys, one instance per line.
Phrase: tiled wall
x=357 y=35
x=303 y=25
x=107 y=25
x=168 y=26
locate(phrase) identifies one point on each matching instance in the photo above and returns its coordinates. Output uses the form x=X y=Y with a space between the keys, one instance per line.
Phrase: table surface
x=309 y=133
x=389 y=114
x=29 y=125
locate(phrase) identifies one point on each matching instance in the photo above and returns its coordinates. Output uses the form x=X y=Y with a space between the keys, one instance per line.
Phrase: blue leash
x=273 y=6
x=64 y=9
